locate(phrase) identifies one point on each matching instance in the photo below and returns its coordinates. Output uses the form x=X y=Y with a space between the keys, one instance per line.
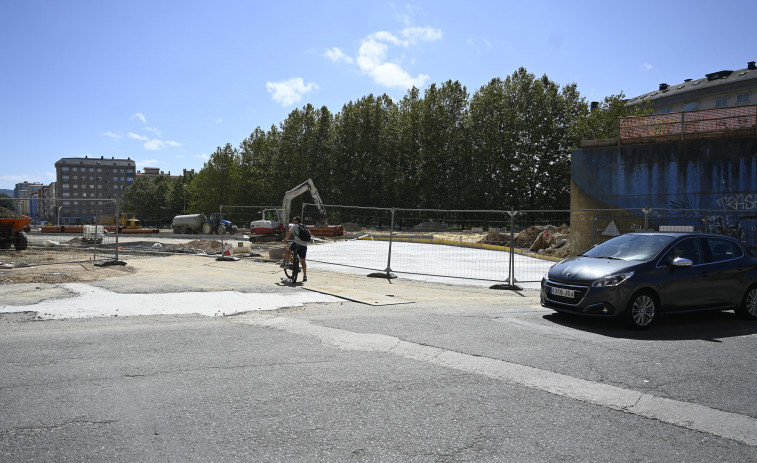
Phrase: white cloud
x=203 y=156
x=647 y=67
x=135 y=136
x=391 y=75
x=337 y=55
x=139 y=116
x=421 y=34
x=157 y=145
x=373 y=56
x=153 y=130
x=112 y=135
x=289 y=91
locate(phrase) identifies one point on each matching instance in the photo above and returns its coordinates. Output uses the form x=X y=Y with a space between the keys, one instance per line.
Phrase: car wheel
x=748 y=307
x=641 y=311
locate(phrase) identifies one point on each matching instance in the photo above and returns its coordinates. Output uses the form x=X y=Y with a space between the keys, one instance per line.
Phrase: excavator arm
x=295 y=192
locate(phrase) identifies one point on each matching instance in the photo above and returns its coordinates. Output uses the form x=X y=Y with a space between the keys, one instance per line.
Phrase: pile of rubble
x=548 y=240
x=6 y=213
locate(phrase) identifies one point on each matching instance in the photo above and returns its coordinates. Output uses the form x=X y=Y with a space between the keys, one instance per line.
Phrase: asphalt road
x=417 y=372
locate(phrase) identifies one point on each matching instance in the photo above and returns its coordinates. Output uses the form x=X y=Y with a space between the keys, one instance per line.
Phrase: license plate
x=563 y=292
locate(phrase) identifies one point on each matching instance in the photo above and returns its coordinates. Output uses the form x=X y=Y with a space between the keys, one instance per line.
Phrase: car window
x=630 y=247
x=721 y=249
x=688 y=248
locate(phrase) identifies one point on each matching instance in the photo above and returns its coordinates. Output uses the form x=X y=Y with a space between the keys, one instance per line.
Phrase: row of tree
x=507 y=145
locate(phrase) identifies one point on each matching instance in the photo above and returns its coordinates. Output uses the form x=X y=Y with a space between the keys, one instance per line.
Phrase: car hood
x=586 y=269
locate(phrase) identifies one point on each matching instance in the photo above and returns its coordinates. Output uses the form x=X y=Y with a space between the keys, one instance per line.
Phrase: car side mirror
x=682 y=262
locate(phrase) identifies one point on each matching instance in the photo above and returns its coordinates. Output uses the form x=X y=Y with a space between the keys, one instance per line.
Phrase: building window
x=66 y=186
x=64 y=177
x=76 y=185
x=742 y=97
x=64 y=169
x=693 y=106
x=721 y=101
x=75 y=169
x=66 y=194
x=665 y=110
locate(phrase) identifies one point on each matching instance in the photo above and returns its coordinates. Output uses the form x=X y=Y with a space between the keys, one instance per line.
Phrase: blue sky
x=167 y=82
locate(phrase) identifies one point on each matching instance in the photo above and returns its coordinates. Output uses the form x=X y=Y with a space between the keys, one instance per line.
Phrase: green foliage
x=603 y=121
x=507 y=145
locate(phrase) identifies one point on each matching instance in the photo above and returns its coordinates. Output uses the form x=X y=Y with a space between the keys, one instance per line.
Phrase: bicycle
x=292 y=270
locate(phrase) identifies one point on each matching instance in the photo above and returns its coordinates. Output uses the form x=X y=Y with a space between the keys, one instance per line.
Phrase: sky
x=165 y=83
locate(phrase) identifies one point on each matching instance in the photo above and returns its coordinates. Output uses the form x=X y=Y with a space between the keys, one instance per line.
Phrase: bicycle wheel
x=292 y=272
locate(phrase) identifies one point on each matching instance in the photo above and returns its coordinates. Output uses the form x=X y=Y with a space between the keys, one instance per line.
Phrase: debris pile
x=496 y=239
x=6 y=213
x=543 y=239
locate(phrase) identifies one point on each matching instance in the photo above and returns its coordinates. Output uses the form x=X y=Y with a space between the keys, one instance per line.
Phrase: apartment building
x=720 y=89
x=82 y=181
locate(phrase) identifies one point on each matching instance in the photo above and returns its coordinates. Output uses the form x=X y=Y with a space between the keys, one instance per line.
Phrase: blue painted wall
x=718 y=174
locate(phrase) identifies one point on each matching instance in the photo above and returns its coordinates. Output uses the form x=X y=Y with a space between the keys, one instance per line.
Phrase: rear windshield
x=631 y=247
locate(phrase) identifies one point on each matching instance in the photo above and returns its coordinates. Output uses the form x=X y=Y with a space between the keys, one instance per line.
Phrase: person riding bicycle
x=298 y=245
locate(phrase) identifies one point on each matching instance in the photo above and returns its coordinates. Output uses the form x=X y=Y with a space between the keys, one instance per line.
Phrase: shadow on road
x=707 y=326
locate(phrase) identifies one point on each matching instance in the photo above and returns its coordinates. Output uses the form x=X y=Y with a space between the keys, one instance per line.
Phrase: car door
x=684 y=288
x=726 y=271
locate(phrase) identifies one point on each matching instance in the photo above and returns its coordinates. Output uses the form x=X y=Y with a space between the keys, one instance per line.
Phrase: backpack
x=303 y=233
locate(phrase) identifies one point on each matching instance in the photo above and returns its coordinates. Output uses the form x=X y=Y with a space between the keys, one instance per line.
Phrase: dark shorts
x=301 y=250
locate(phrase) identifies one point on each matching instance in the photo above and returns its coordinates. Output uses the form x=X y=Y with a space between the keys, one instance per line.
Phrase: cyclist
x=298 y=245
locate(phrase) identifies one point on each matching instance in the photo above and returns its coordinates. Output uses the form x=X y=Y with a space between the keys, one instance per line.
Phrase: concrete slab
x=356 y=294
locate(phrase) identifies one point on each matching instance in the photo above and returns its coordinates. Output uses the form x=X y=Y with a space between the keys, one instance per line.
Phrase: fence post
x=646 y=211
x=389 y=257
x=511 y=281
x=118 y=215
x=387 y=273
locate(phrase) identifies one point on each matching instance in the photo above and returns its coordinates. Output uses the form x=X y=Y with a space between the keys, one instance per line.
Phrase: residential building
x=721 y=89
x=82 y=181
x=25 y=190
x=153 y=172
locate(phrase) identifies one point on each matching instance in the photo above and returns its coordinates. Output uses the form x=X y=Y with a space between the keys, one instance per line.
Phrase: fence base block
x=506 y=287
x=386 y=275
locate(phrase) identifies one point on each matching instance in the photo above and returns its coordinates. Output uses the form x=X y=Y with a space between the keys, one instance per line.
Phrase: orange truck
x=12 y=232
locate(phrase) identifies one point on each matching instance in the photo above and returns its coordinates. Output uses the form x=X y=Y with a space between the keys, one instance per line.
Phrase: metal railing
x=688 y=124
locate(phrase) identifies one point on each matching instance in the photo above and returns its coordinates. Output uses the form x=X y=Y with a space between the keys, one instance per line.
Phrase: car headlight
x=612 y=280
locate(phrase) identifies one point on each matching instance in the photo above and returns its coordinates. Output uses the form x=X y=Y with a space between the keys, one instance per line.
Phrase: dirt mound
x=202 y=245
x=6 y=213
x=496 y=239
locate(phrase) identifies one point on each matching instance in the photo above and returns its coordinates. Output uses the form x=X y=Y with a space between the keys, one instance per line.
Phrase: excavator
x=273 y=221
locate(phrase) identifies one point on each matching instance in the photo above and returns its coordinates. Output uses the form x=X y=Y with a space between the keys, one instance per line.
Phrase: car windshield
x=630 y=247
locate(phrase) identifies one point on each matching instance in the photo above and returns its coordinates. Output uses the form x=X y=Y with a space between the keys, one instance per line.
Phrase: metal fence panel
x=365 y=243
x=52 y=238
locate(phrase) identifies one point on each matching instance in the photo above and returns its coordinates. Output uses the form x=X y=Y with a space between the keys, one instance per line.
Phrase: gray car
x=638 y=277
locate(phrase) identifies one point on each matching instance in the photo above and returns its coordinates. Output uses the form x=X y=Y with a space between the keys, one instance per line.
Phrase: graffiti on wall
x=738 y=202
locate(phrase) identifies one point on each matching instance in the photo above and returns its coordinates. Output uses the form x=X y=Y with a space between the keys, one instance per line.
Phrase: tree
x=217 y=182
x=603 y=120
